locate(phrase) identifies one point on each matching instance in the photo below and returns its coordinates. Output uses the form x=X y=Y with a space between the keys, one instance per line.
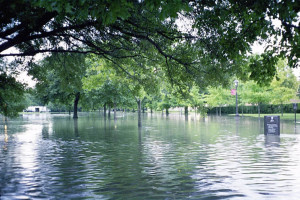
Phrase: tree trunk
x=109 y=111
x=143 y=109
x=76 y=132
x=258 y=107
x=70 y=108
x=167 y=111
x=281 y=110
x=186 y=110
x=104 y=108
x=77 y=97
x=115 y=110
x=243 y=111
x=139 y=113
x=220 y=111
x=151 y=110
x=217 y=111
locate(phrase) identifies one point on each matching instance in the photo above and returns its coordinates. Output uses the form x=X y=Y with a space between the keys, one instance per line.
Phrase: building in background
x=37 y=109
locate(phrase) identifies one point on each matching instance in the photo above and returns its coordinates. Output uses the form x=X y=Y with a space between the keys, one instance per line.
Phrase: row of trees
x=139 y=48
x=281 y=90
x=69 y=80
x=65 y=81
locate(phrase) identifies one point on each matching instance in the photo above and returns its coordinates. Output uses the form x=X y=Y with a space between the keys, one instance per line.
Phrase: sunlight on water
x=171 y=157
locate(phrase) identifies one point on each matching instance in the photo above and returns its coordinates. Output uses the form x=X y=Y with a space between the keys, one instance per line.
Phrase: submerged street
x=52 y=156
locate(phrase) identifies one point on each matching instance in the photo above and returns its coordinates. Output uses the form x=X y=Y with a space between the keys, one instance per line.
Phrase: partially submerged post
x=236 y=83
x=272 y=125
x=139 y=102
x=295 y=106
x=115 y=110
x=109 y=111
x=186 y=110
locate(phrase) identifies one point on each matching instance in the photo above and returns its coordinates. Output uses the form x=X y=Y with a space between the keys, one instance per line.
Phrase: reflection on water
x=5 y=137
x=171 y=157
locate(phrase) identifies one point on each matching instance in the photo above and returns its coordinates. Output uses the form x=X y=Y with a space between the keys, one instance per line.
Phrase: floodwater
x=52 y=156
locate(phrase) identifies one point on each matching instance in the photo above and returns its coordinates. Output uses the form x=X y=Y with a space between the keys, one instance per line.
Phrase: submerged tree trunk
x=139 y=113
x=115 y=110
x=77 y=97
x=76 y=132
x=258 y=107
x=70 y=108
x=186 y=110
x=104 y=108
x=109 y=111
x=242 y=110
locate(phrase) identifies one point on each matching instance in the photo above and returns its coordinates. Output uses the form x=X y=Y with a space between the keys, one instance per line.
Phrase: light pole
x=236 y=83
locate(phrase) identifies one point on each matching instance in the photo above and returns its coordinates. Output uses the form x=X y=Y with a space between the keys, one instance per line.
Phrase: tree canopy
x=188 y=43
x=219 y=38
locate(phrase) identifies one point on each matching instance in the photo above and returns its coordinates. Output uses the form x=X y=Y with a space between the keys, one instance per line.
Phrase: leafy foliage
x=59 y=78
x=208 y=53
x=12 y=98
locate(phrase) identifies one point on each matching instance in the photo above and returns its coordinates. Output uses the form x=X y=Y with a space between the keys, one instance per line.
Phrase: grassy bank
x=286 y=116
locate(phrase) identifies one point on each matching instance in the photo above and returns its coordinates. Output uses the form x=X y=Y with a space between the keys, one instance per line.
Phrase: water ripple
x=50 y=157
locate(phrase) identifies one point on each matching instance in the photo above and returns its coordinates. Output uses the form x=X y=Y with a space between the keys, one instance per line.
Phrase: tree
x=12 y=99
x=285 y=86
x=257 y=94
x=217 y=97
x=12 y=92
x=59 y=77
x=197 y=100
x=242 y=95
x=213 y=50
x=127 y=80
x=167 y=97
x=220 y=38
x=103 y=80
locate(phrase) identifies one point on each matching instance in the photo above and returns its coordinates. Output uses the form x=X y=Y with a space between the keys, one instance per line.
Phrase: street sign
x=272 y=125
x=295 y=106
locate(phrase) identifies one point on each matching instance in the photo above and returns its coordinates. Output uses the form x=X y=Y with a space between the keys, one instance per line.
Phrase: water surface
x=47 y=156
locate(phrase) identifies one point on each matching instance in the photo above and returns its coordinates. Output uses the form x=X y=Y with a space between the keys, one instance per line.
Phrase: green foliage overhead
x=129 y=80
x=208 y=53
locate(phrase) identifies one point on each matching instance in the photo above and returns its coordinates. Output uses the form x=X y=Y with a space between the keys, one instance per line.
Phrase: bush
x=264 y=108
